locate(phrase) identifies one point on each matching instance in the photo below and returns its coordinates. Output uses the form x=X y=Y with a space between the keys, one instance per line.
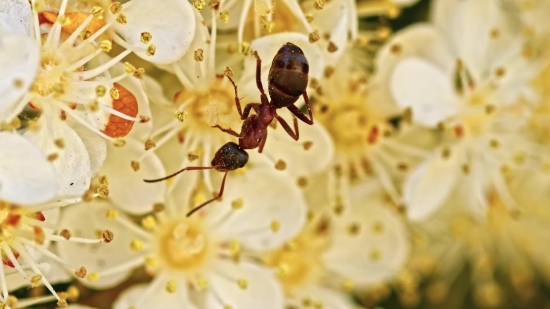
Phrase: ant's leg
x=190 y=168
x=247 y=108
x=287 y=128
x=262 y=143
x=237 y=101
x=298 y=113
x=259 y=77
x=228 y=131
x=210 y=200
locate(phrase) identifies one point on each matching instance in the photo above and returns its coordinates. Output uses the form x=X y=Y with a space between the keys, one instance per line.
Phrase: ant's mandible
x=287 y=81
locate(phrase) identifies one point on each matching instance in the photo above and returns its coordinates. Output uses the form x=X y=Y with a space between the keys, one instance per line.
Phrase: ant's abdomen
x=288 y=76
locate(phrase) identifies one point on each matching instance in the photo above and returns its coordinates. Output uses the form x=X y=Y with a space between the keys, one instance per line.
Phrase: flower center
x=298 y=262
x=207 y=108
x=183 y=245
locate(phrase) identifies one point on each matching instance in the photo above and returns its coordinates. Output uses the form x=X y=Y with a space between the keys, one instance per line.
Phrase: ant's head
x=229 y=157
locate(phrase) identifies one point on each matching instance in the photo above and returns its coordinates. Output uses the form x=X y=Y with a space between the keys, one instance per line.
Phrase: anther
x=314 y=36
x=198 y=55
x=280 y=165
x=114 y=93
x=171 y=286
x=149 y=222
x=108 y=236
x=81 y=272
x=237 y=203
x=129 y=68
x=180 y=116
x=65 y=234
x=52 y=157
x=35 y=280
x=149 y=144
x=307 y=145
x=97 y=11
x=319 y=4
x=199 y=4
x=122 y=19
x=134 y=165
x=242 y=283
x=332 y=47
x=106 y=45
x=151 y=49
x=228 y=72
x=146 y=37
x=136 y=245
x=119 y=142
x=144 y=119
x=60 y=143
x=100 y=91
x=224 y=16
x=103 y=191
x=275 y=226
x=115 y=8
x=93 y=277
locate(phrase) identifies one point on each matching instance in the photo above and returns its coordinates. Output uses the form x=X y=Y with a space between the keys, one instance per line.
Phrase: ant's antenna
x=190 y=168
x=197 y=208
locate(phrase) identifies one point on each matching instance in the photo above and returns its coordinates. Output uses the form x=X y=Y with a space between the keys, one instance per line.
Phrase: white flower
x=464 y=77
x=202 y=261
x=334 y=255
x=502 y=252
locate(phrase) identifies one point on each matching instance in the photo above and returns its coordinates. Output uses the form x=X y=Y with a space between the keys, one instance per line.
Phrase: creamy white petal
x=267 y=196
x=172 y=26
x=15 y=16
x=72 y=165
x=262 y=291
x=330 y=298
x=333 y=19
x=379 y=250
x=127 y=189
x=95 y=145
x=418 y=84
x=312 y=153
x=26 y=177
x=430 y=184
x=19 y=55
x=84 y=220
x=154 y=295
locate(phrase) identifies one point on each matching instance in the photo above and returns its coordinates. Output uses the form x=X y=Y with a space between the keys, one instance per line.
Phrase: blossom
x=203 y=261
x=443 y=74
x=334 y=255
x=502 y=253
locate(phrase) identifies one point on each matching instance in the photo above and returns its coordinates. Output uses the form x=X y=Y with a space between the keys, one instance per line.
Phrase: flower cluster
x=245 y=154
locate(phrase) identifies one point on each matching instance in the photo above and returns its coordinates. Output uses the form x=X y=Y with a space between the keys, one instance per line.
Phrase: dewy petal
x=15 y=16
x=19 y=55
x=426 y=89
x=262 y=291
x=84 y=220
x=377 y=252
x=267 y=196
x=26 y=177
x=267 y=48
x=158 y=298
x=430 y=184
x=127 y=189
x=312 y=153
x=172 y=26
x=72 y=164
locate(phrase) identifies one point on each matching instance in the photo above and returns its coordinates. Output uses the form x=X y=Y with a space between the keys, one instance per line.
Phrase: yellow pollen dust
x=171 y=286
x=136 y=245
x=182 y=245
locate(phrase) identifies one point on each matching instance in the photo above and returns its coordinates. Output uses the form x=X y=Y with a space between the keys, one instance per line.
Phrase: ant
x=288 y=79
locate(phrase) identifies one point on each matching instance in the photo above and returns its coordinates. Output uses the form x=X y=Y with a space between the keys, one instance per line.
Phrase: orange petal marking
x=126 y=104
x=75 y=20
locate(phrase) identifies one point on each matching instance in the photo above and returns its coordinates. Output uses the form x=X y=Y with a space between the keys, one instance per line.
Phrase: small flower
x=333 y=256
x=206 y=260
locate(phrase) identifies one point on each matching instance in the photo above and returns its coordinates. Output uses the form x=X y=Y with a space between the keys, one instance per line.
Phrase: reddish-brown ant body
x=288 y=79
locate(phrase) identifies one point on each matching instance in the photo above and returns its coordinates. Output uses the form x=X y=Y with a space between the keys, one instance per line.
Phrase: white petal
x=26 y=177
x=299 y=161
x=72 y=165
x=172 y=26
x=430 y=184
x=84 y=220
x=381 y=233
x=263 y=290
x=267 y=48
x=157 y=298
x=267 y=196
x=405 y=2
x=333 y=19
x=15 y=16
x=426 y=89
x=19 y=56
x=126 y=187
x=95 y=145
